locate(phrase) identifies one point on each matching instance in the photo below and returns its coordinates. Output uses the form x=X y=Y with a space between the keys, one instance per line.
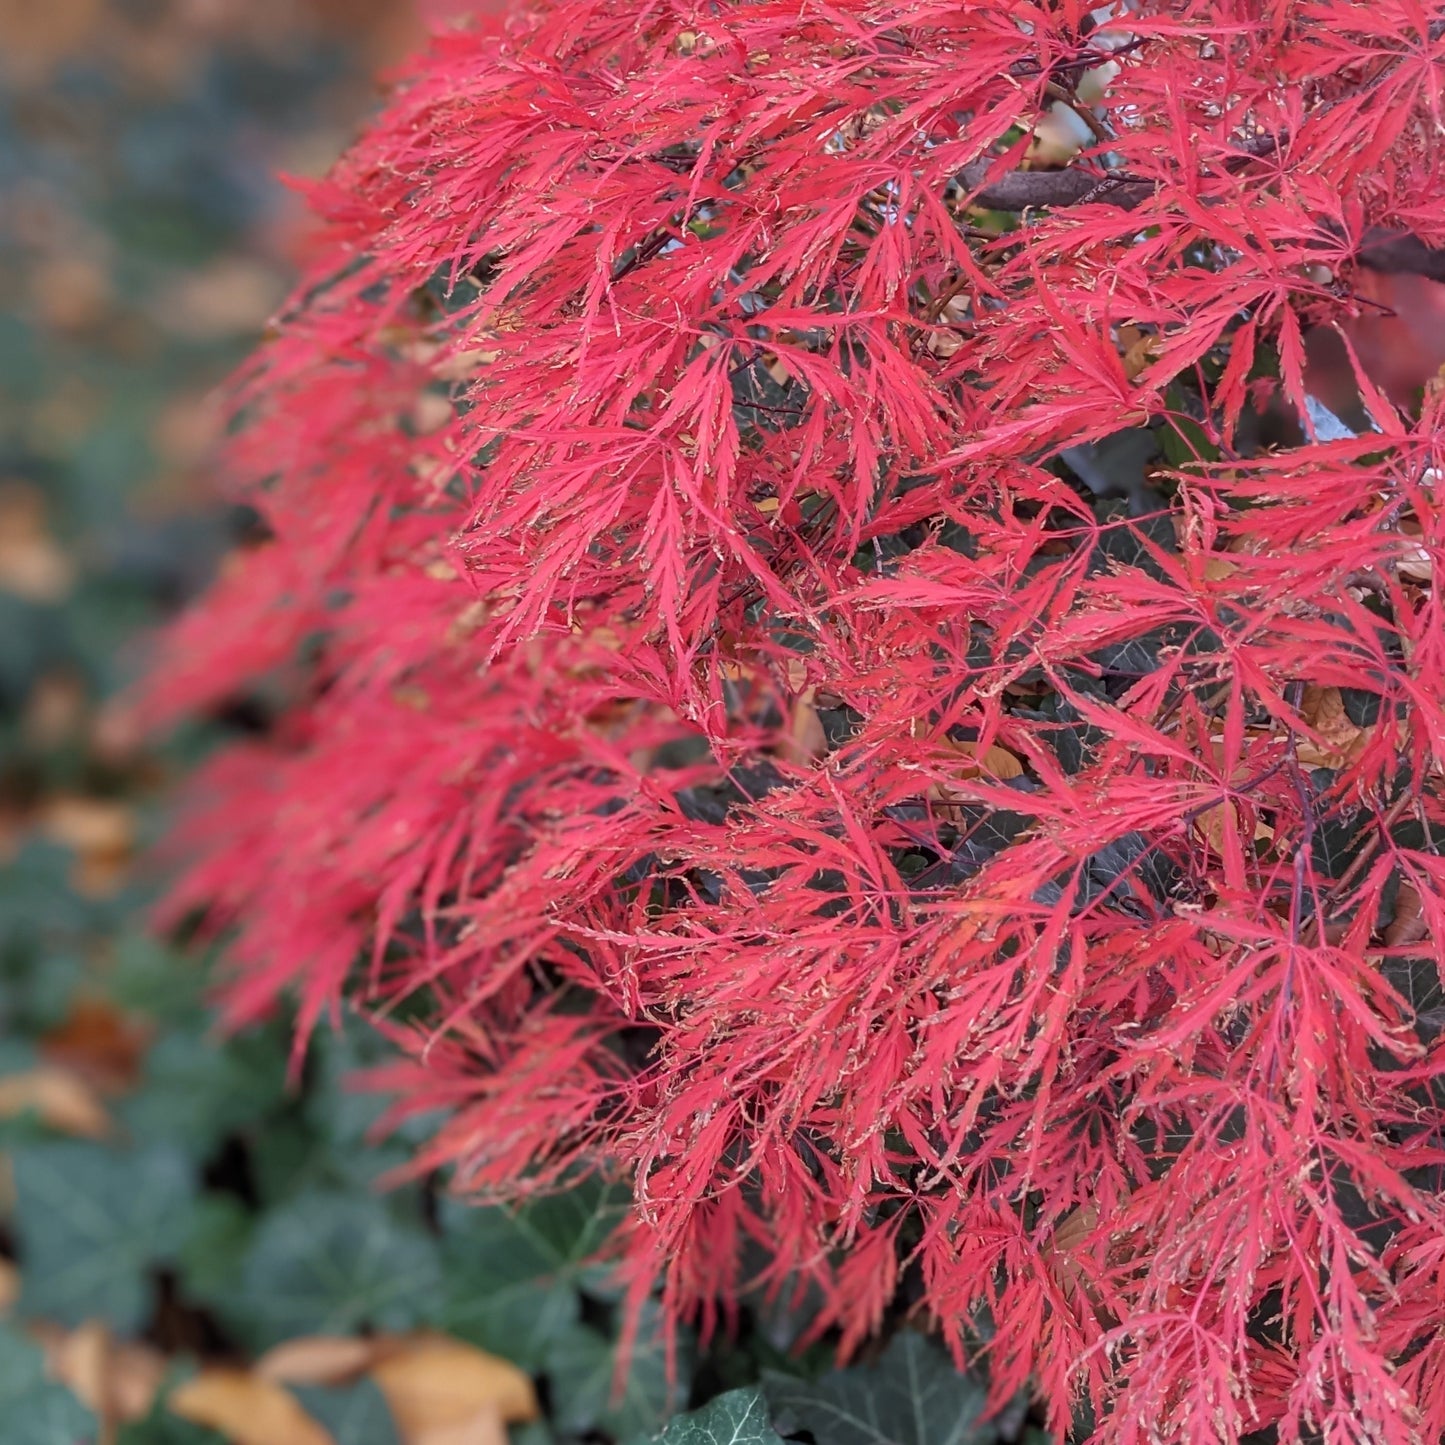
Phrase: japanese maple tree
x=829 y=659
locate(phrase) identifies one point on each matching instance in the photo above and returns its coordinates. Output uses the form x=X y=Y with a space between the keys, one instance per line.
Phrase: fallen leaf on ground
x=9 y=1287
x=246 y=1409
x=232 y=296
x=54 y=710
x=483 y=1428
x=1409 y=924
x=32 y=565
x=1217 y=823
x=806 y=741
x=62 y=1099
x=36 y=38
x=1323 y=708
x=102 y=834
x=433 y=1382
x=117 y=1380
x=99 y=1043
x=317 y=1360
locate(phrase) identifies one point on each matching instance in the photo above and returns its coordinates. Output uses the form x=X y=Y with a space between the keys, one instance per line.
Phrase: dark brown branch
x=1383 y=250
x=1023 y=190
x=1380 y=249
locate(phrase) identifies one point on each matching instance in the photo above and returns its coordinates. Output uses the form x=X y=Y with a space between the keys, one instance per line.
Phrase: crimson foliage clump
x=838 y=674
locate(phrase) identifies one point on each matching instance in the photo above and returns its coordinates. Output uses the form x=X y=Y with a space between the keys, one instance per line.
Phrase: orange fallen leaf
x=233 y=296
x=71 y=293
x=81 y=1361
x=1001 y=763
x=484 y=1428
x=1060 y=1252
x=1138 y=350
x=432 y=1382
x=115 y=1379
x=102 y=834
x=136 y=1375
x=62 y=1099
x=997 y=762
x=1341 y=742
x=1409 y=924
x=32 y=565
x=36 y=38
x=806 y=740
x=99 y=1043
x=246 y=1409
x=54 y=710
x=317 y=1360
x=1217 y=823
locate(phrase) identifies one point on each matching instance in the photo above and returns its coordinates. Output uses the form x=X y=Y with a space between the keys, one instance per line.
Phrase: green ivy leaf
x=34 y=1409
x=356 y=1414
x=1339 y=837
x=92 y=1223
x=344 y=1116
x=913 y=1396
x=534 y=1432
x=196 y=1091
x=160 y=983
x=212 y=1256
x=160 y=1427
x=738 y=1418
x=581 y=1366
x=294 y=1161
x=512 y=1276
x=330 y=1263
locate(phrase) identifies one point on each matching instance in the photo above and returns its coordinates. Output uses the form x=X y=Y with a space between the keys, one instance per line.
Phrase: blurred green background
x=144 y=240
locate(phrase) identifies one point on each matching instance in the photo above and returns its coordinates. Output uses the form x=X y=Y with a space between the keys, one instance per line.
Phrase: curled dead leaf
x=246 y=1409
x=806 y=740
x=99 y=1043
x=102 y=834
x=1060 y=1253
x=1058 y=137
x=317 y=1360
x=433 y=1382
x=431 y=412
x=32 y=565
x=484 y=1428
x=1217 y=823
x=1323 y=708
x=62 y=1099
x=54 y=710
x=234 y=295
x=964 y=760
x=1409 y=924
x=116 y=1379
x=1138 y=350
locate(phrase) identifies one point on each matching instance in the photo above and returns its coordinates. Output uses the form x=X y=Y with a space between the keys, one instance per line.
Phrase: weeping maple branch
x=1018 y=190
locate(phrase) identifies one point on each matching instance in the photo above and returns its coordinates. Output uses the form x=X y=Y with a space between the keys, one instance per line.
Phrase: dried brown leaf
x=432 y=1382
x=486 y=1427
x=317 y=1360
x=61 y=1098
x=246 y=1409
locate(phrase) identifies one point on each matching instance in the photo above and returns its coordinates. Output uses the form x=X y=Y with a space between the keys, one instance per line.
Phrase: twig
x=1023 y=190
